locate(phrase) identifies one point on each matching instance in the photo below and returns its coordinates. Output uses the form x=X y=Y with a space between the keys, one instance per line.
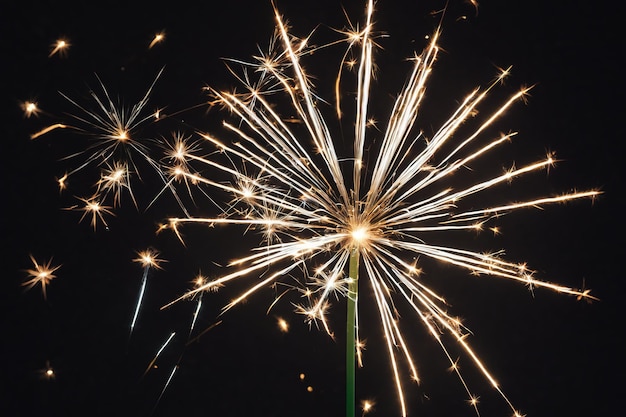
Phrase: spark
x=178 y=150
x=48 y=372
x=47 y=130
x=60 y=47
x=158 y=38
x=30 y=108
x=116 y=144
x=92 y=206
x=62 y=182
x=148 y=259
x=385 y=202
x=41 y=274
x=282 y=324
x=199 y=281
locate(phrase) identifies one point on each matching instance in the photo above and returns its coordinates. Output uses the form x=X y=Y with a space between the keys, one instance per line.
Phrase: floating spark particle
x=367 y=406
x=381 y=205
x=60 y=47
x=158 y=38
x=282 y=324
x=114 y=179
x=47 y=373
x=30 y=108
x=42 y=274
x=176 y=167
x=62 y=182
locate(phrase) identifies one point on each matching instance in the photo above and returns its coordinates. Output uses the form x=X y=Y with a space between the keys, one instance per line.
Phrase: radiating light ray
x=283 y=325
x=48 y=373
x=367 y=406
x=41 y=274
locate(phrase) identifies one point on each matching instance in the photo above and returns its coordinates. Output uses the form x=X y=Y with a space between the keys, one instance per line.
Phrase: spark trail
x=148 y=259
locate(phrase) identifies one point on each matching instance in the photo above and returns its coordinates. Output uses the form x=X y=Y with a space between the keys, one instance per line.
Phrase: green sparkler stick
x=353 y=287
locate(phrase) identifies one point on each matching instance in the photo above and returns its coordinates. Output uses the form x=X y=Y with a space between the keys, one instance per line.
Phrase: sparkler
x=320 y=214
x=331 y=223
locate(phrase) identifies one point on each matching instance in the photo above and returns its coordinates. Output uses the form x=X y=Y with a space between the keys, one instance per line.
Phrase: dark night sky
x=553 y=356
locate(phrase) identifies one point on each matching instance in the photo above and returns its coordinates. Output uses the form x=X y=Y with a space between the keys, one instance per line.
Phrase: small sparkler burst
x=118 y=147
x=324 y=217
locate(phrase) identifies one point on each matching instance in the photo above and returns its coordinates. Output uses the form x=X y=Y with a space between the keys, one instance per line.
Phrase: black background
x=552 y=355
